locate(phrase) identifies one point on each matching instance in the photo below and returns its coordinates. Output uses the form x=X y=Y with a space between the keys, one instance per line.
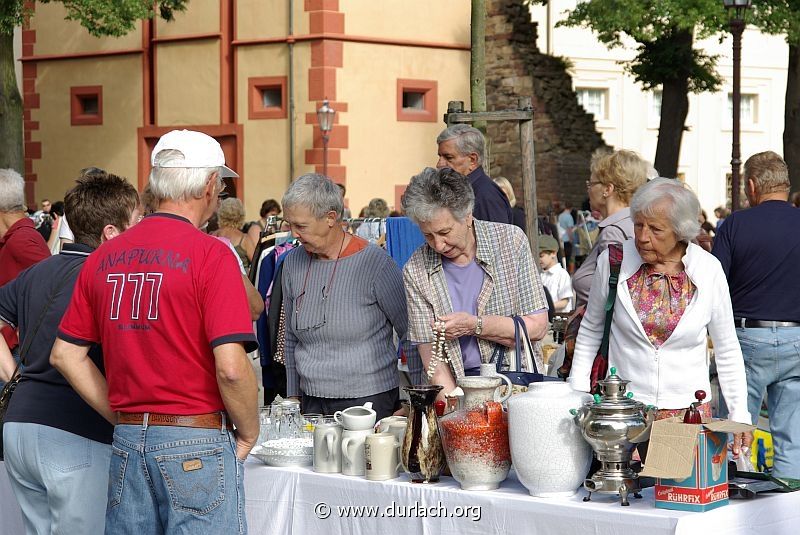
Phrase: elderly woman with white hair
x=471 y=276
x=670 y=293
x=343 y=300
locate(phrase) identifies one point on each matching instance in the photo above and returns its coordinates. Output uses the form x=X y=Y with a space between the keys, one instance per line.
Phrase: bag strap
x=523 y=338
x=615 y=260
x=26 y=345
x=520 y=331
x=618 y=228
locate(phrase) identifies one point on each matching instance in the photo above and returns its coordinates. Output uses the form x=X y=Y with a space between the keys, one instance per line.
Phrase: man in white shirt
x=554 y=277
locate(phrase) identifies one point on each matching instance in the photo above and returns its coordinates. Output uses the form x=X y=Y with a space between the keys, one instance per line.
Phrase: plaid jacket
x=511 y=286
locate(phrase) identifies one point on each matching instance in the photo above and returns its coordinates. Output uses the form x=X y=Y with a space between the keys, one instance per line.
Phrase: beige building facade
x=251 y=73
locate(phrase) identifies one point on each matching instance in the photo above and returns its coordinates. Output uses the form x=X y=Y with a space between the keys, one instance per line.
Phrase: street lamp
x=325 y=119
x=737 y=10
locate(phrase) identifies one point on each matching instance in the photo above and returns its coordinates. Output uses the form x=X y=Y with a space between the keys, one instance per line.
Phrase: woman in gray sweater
x=343 y=300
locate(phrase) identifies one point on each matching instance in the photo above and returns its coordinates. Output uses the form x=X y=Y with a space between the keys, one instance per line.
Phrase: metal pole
x=529 y=177
x=737 y=27
x=325 y=154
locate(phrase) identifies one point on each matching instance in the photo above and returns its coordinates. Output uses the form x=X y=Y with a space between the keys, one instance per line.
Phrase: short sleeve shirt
x=159 y=298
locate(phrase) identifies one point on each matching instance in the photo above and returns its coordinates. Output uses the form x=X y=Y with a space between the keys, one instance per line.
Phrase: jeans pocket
x=64 y=452
x=195 y=480
x=116 y=476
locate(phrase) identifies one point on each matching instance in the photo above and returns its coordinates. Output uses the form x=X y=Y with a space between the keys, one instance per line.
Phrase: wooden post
x=477 y=64
x=529 y=177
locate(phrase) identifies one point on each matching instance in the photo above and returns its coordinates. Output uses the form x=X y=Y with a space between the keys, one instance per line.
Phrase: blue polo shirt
x=43 y=396
x=759 y=249
x=491 y=204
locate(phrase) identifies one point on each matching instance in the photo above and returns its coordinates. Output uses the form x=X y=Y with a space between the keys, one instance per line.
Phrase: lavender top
x=464 y=284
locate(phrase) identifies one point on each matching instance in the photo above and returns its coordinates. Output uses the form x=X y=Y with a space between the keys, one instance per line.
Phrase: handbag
x=11 y=385
x=574 y=324
x=600 y=364
x=523 y=350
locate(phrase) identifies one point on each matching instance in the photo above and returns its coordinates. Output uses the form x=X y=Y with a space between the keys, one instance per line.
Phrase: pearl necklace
x=438 y=354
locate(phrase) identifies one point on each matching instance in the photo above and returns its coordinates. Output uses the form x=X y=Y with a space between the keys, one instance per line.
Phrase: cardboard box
x=690 y=463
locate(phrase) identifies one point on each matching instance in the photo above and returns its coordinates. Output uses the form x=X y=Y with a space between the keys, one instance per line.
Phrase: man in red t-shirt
x=20 y=245
x=167 y=303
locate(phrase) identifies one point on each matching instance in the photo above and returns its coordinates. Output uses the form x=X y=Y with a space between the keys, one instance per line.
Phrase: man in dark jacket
x=461 y=148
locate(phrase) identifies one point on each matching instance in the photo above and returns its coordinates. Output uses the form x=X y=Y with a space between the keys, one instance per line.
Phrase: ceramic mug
x=353 y=451
x=381 y=456
x=356 y=418
x=327 y=447
x=385 y=423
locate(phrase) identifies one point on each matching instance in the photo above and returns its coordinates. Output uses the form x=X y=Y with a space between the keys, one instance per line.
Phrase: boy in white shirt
x=554 y=277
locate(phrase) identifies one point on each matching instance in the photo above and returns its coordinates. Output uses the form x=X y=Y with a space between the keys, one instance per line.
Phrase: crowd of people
x=129 y=347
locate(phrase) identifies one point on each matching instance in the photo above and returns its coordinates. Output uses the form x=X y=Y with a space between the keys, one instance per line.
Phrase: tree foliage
x=99 y=17
x=653 y=25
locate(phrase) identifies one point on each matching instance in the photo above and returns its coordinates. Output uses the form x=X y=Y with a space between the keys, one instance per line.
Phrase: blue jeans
x=174 y=480
x=772 y=364
x=59 y=479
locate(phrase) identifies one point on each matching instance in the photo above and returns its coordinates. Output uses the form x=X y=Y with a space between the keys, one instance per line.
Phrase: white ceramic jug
x=328 y=447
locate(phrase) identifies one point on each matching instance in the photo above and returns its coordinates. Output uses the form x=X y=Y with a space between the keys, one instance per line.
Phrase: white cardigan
x=666 y=377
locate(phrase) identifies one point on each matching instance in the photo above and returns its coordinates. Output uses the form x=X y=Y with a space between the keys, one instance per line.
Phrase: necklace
x=438 y=354
x=326 y=290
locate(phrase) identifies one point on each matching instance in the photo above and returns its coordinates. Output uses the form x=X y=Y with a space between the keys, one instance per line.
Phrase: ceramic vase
x=549 y=453
x=476 y=445
x=422 y=454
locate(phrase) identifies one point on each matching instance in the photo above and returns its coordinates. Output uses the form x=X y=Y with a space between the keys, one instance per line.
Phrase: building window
x=749 y=108
x=86 y=105
x=267 y=97
x=594 y=100
x=416 y=100
x=655 y=105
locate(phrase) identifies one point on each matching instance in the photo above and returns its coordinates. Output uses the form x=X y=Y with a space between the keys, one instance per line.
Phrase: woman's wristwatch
x=479 y=326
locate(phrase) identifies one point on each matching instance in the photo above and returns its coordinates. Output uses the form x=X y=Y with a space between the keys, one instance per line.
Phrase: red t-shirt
x=159 y=298
x=20 y=248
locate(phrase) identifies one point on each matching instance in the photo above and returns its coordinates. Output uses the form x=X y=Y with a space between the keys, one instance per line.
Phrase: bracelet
x=479 y=326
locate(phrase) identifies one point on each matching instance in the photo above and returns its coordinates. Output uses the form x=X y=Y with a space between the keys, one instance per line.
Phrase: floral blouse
x=659 y=300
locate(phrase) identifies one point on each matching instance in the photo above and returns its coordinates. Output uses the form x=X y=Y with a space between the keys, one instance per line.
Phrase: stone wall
x=565 y=135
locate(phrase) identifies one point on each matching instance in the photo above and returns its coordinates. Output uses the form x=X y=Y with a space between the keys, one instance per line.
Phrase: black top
x=518 y=217
x=759 y=249
x=491 y=204
x=43 y=396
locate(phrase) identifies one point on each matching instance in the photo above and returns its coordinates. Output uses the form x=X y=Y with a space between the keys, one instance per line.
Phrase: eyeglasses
x=298 y=302
x=590 y=183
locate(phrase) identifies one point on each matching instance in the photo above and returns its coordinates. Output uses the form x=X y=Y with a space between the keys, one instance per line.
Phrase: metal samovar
x=613 y=424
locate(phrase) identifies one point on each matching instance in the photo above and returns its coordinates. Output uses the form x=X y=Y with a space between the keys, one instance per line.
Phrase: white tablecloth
x=10 y=515
x=286 y=501
x=283 y=501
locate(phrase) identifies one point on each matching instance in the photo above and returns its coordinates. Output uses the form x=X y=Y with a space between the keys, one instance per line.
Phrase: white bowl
x=285 y=452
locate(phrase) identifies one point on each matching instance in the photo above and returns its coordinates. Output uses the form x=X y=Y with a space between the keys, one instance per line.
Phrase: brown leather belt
x=212 y=420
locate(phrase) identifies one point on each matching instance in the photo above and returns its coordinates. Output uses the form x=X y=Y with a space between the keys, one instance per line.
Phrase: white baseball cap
x=198 y=149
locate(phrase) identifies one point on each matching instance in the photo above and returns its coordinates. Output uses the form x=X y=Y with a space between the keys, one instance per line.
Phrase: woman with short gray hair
x=343 y=301
x=470 y=276
x=670 y=294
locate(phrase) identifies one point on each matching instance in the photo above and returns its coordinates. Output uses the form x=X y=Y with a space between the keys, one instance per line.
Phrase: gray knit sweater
x=342 y=346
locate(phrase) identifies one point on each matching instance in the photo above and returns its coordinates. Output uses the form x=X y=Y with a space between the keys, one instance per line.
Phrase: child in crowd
x=554 y=277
